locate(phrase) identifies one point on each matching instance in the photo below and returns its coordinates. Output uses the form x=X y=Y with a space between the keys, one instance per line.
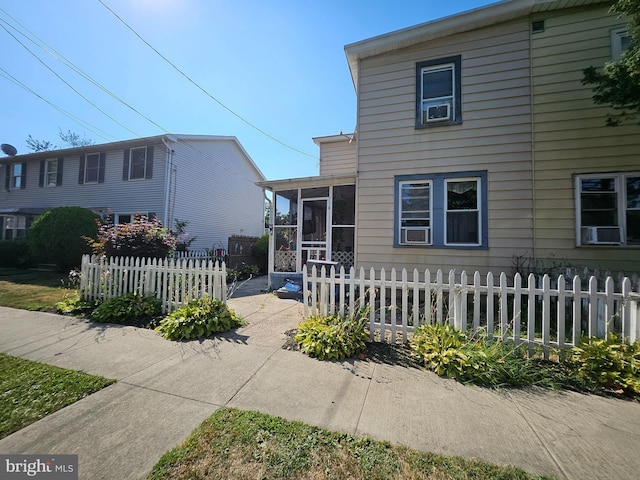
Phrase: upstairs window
x=438 y=97
x=92 y=168
x=16 y=176
x=138 y=163
x=620 y=41
x=608 y=209
x=51 y=172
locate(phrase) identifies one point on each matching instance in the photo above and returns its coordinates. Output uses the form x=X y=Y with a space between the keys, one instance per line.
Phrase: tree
x=184 y=238
x=143 y=238
x=58 y=236
x=618 y=84
x=69 y=139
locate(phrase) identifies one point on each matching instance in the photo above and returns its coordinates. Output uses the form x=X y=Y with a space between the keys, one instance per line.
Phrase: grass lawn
x=244 y=444
x=30 y=390
x=32 y=290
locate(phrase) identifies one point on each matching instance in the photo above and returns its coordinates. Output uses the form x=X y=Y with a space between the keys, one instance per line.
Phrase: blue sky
x=280 y=65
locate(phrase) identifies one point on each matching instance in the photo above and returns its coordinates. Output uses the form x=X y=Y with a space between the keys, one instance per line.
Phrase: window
x=442 y=210
x=608 y=209
x=620 y=41
x=16 y=176
x=92 y=168
x=438 y=92
x=138 y=163
x=14 y=227
x=51 y=172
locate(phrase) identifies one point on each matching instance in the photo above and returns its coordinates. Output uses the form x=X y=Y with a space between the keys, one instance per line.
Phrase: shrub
x=74 y=305
x=443 y=349
x=58 y=236
x=14 y=253
x=198 y=319
x=129 y=309
x=607 y=364
x=333 y=337
x=143 y=238
x=244 y=272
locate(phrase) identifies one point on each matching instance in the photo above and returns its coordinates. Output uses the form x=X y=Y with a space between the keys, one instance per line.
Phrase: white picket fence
x=532 y=312
x=174 y=281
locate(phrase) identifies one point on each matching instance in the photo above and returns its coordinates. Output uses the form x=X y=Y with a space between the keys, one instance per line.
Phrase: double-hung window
x=442 y=210
x=138 y=163
x=91 y=168
x=608 y=209
x=438 y=96
x=16 y=176
x=51 y=173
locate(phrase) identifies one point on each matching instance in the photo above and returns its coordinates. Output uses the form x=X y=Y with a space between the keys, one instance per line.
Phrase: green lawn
x=33 y=290
x=244 y=444
x=30 y=390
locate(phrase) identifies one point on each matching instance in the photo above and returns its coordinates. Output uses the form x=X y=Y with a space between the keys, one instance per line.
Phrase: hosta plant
x=198 y=319
x=129 y=309
x=443 y=349
x=333 y=337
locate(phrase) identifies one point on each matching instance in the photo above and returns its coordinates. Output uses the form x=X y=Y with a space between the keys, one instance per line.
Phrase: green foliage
x=129 y=309
x=198 y=319
x=607 y=364
x=14 y=253
x=333 y=337
x=58 y=235
x=618 y=84
x=74 y=305
x=261 y=247
x=142 y=238
x=444 y=349
x=183 y=238
x=244 y=272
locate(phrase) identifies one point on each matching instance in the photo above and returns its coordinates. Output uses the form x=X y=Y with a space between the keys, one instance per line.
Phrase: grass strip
x=245 y=444
x=30 y=391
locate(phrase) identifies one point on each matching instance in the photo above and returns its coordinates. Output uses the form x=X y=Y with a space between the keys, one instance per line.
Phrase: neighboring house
x=477 y=145
x=206 y=180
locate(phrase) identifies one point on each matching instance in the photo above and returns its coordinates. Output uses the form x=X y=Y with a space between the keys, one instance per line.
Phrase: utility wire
x=61 y=58
x=67 y=83
x=202 y=89
x=71 y=116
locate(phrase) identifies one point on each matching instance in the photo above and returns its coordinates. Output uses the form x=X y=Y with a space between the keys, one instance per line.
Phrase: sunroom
x=310 y=220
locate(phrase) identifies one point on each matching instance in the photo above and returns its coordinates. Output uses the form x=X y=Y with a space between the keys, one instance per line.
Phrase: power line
x=61 y=58
x=69 y=115
x=67 y=83
x=202 y=89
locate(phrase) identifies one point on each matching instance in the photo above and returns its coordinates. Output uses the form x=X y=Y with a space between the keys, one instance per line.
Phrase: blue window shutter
x=125 y=166
x=149 y=169
x=81 y=171
x=42 y=167
x=23 y=183
x=101 y=164
x=59 y=172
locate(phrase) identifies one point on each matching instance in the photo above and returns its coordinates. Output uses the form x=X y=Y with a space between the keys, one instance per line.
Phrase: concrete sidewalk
x=165 y=389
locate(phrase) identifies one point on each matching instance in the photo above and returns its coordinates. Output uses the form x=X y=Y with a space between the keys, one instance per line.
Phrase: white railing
x=174 y=281
x=532 y=312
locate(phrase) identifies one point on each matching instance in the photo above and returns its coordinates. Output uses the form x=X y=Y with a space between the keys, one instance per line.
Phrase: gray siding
x=495 y=136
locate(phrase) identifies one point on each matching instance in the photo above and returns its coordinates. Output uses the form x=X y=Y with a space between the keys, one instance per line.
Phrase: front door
x=314 y=241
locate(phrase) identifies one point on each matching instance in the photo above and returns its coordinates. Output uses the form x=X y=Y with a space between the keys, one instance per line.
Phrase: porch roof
x=308 y=182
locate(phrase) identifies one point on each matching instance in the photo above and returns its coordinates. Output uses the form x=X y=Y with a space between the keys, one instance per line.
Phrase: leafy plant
x=198 y=319
x=14 y=253
x=607 y=364
x=443 y=349
x=74 y=305
x=145 y=238
x=244 y=272
x=58 y=236
x=333 y=337
x=129 y=309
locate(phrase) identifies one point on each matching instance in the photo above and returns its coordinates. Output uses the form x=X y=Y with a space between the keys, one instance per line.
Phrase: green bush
x=14 y=253
x=333 y=337
x=129 y=309
x=74 y=305
x=58 y=236
x=607 y=364
x=243 y=272
x=198 y=319
x=444 y=349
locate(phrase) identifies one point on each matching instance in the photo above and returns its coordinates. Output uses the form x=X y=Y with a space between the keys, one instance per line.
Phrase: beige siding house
x=195 y=178
x=477 y=145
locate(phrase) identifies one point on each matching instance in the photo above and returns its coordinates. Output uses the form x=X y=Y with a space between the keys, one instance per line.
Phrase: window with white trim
x=442 y=210
x=608 y=209
x=16 y=176
x=91 y=168
x=51 y=173
x=438 y=96
x=620 y=41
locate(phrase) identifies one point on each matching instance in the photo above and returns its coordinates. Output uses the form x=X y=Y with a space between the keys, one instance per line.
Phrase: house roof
x=463 y=22
x=169 y=137
x=308 y=182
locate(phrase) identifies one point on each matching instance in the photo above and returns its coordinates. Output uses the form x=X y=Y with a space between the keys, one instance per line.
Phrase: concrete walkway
x=165 y=389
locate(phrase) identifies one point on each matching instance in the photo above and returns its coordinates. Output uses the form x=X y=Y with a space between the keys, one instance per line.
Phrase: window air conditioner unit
x=437 y=113
x=601 y=235
x=416 y=235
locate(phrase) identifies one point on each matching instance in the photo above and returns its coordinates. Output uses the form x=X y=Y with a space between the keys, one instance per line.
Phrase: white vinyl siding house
x=208 y=181
x=581 y=165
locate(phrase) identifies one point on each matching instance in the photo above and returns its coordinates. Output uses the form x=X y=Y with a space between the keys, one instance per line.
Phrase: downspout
x=167 y=187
